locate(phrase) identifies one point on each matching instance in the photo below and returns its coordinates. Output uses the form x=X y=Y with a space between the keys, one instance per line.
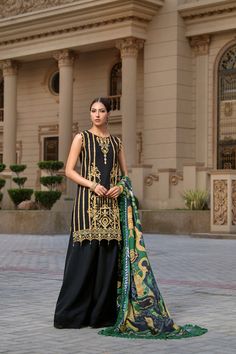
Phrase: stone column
x=129 y=48
x=65 y=63
x=200 y=45
x=9 y=68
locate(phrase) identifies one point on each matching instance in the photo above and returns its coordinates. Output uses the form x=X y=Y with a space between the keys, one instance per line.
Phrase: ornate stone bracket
x=150 y=179
x=174 y=179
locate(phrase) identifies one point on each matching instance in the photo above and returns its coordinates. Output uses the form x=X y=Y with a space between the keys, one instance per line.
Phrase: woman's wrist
x=93 y=186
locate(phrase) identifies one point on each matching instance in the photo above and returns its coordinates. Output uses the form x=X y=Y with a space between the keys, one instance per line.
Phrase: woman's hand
x=114 y=192
x=100 y=190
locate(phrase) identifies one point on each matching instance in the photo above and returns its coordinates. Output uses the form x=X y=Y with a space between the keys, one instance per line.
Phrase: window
x=1 y=157
x=116 y=85
x=1 y=99
x=50 y=148
x=54 y=83
x=226 y=120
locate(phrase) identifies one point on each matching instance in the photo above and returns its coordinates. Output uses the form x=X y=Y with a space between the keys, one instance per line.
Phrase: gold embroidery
x=94 y=174
x=104 y=145
x=90 y=235
x=104 y=213
x=113 y=175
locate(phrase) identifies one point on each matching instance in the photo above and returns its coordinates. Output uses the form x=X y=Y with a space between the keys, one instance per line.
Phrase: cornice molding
x=68 y=29
x=203 y=9
x=73 y=17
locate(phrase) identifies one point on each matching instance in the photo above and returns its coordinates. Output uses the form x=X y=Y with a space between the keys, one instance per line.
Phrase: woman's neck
x=102 y=132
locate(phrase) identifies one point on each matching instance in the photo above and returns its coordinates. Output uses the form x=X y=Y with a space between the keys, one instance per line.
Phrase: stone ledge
x=175 y=221
x=44 y=222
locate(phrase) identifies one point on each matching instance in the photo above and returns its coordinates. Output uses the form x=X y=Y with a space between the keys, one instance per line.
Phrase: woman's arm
x=74 y=175
x=122 y=162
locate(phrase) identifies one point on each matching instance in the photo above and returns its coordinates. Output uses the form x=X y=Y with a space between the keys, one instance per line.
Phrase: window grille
x=226 y=122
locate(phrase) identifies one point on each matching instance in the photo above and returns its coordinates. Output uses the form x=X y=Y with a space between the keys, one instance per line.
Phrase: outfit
x=108 y=283
x=89 y=291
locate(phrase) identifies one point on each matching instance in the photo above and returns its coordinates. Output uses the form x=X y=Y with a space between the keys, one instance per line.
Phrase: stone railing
x=115 y=102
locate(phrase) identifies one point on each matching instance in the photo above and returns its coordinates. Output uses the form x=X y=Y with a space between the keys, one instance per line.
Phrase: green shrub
x=50 y=166
x=51 y=182
x=47 y=199
x=20 y=181
x=17 y=168
x=196 y=199
x=2 y=167
x=19 y=195
x=2 y=183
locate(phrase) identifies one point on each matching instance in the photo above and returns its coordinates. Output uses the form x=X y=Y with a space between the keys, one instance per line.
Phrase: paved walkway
x=196 y=276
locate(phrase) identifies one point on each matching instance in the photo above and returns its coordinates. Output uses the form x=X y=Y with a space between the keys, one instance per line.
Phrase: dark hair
x=104 y=100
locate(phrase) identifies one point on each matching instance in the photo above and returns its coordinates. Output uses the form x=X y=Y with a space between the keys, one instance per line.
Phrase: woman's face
x=99 y=114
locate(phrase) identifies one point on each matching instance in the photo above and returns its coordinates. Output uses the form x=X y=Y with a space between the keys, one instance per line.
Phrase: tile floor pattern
x=197 y=278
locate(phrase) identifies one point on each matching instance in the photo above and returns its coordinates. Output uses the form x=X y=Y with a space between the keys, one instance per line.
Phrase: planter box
x=175 y=221
x=44 y=222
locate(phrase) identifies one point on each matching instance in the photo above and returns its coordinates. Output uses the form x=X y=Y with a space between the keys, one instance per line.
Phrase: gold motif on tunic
x=104 y=145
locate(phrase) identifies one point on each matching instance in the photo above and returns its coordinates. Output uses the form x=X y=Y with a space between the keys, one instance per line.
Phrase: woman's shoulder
x=117 y=141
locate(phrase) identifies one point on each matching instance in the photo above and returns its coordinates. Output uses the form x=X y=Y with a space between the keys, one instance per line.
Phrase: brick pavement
x=196 y=276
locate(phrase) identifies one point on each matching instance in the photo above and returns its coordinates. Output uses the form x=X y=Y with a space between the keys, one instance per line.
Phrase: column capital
x=129 y=47
x=65 y=57
x=9 y=67
x=200 y=44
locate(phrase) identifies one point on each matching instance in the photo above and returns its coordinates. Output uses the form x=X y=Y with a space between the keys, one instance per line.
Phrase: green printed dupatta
x=142 y=312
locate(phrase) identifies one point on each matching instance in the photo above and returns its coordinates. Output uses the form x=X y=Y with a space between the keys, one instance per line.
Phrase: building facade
x=169 y=67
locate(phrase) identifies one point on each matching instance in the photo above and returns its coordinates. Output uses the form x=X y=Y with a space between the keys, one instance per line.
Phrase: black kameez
x=89 y=291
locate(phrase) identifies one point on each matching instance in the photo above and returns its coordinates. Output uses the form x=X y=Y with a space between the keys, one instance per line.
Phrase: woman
x=88 y=294
x=109 y=283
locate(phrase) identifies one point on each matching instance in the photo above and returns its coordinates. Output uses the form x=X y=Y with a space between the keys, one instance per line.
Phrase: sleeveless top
x=95 y=217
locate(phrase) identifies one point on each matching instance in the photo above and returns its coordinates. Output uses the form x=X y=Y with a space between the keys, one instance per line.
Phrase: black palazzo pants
x=88 y=294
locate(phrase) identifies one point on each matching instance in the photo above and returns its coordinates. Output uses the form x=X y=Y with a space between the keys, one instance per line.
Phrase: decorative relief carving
x=200 y=44
x=150 y=179
x=9 y=67
x=220 y=202
x=129 y=47
x=174 y=179
x=64 y=57
x=10 y=8
x=234 y=202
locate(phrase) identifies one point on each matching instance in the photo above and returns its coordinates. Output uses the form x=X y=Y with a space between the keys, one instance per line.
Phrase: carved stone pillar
x=129 y=48
x=200 y=45
x=9 y=68
x=65 y=60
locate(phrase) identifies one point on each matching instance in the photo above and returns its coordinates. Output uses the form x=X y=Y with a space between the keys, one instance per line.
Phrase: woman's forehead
x=98 y=105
